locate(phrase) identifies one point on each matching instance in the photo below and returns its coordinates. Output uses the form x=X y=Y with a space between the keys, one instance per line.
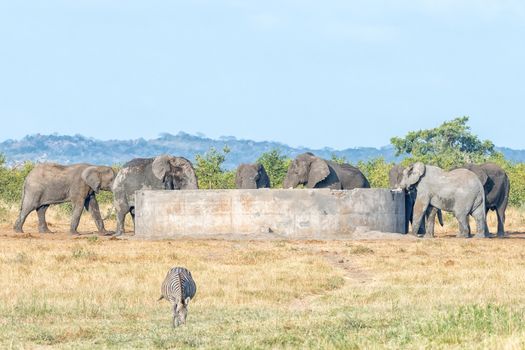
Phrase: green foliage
x=338 y=160
x=12 y=181
x=516 y=174
x=105 y=197
x=276 y=166
x=376 y=171
x=448 y=145
x=210 y=174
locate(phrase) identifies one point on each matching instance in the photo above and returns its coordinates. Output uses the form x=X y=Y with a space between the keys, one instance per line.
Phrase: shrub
x=210 y=174
x=276 y=166
x=12 y=181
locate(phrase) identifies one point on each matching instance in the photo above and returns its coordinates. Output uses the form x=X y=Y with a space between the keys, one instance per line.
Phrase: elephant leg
x=422 y=227
x=42 y=224
x=500 y=212
x=24 y=212
x=481 y=222
x=464 y=227
x=122 y=208
x=121 y=217
x=91 y=205
x=75 y=217
x=431 y=220
x=420 y=208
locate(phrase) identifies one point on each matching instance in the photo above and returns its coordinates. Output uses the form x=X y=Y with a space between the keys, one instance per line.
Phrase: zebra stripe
x=178 y=285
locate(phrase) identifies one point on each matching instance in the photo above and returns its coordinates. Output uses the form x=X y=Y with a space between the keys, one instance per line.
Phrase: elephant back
x=350 y=176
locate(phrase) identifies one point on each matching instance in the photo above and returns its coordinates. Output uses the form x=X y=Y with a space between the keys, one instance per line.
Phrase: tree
x=209 y=170
x=376 y=171
x=12 y=180
x=448 y=145
x=276 y=166
x=338 y=160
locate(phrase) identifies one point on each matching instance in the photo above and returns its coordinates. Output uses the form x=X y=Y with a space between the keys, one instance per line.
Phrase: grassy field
x=93 y=292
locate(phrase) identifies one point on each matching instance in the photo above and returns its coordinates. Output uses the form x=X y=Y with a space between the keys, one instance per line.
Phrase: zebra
x=178 y=288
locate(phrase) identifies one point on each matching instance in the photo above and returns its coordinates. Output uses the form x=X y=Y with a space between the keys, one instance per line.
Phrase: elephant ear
x=264 y=180
x=238 y=179
x=91 y=177
x=318 y=172
x=161 y=166
x=395 y=175
x=184 y=173
x=414 y=173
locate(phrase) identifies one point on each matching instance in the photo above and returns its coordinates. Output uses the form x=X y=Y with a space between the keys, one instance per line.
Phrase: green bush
x=276 y=166
x=376 y=171
x=516 y=174
x=210 y=174
x=12 y=181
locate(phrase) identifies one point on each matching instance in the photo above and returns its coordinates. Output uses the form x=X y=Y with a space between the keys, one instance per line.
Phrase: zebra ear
x=187 y=301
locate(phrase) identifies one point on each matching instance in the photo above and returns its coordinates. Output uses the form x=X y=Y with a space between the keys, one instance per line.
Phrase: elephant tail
x=440 y=217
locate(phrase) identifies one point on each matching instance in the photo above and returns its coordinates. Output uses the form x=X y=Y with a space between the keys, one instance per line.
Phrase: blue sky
x=313 y=73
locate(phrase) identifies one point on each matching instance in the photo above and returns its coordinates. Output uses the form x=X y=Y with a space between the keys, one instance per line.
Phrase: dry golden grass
x=515 y=222
x=94 y=292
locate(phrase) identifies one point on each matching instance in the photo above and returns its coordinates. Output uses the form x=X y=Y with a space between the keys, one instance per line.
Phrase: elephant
x=251 y=176
x=394 y=178
x=314 y=172
x=163 y=172
x=458 y=191
x=496 y=185
x=50 y=183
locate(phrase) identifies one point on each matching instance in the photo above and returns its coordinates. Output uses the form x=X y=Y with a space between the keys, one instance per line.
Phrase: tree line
x=449 y=145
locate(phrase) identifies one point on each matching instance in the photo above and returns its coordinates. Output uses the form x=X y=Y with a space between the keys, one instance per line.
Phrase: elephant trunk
x=288 y=183
x=249 y=184
x=192 y=183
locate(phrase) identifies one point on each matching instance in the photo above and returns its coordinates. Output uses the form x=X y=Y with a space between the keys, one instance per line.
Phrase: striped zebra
x=178 y=288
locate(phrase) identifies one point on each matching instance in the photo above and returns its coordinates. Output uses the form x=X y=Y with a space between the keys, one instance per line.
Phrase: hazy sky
x=313 y=73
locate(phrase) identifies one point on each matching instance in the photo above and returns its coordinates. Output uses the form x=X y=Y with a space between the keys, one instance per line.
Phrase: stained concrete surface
x=272 y=213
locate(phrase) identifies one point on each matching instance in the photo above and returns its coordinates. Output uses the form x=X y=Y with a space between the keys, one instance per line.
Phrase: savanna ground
x=87 y=292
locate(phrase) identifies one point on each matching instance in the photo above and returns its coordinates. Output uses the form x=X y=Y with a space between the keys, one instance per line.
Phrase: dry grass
x=515 y=222
x=94 y=292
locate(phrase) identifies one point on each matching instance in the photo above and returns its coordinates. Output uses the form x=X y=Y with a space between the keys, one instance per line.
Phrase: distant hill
x=75 y=149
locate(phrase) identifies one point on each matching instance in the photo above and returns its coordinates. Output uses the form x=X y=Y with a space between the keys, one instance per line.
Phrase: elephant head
x=412 y=175
x=251 y=176
x=176 y=172
x=98 y=177
x=306 y=169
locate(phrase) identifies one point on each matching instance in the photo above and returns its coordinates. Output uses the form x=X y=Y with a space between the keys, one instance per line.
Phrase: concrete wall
x=315 y=214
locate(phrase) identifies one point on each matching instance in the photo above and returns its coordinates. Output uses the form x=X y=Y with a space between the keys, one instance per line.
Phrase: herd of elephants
x=469 y=190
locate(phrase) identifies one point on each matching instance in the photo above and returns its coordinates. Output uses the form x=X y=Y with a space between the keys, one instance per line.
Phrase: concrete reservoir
x=299 y=213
